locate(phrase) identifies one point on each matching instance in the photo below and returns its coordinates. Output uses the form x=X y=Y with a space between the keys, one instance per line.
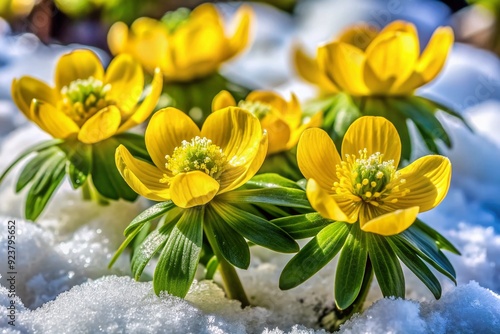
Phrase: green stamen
x=82 y=98
x=257 y=108
x=174 y=19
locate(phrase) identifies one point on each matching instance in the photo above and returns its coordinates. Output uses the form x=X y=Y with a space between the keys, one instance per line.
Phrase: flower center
x=174 y=19
x=370 y=178
x=82 y=98
x=257 y=108
x=198 y=154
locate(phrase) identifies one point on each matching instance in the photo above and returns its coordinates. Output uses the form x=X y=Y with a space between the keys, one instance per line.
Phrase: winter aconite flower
x=185 y=45
x=363 y=63
x=367 y=212
x=87 y=112
x=364 y=72
x=87 y=102
x=195 y=176
x=364 y=184
x=283 y=120
x=192 y=166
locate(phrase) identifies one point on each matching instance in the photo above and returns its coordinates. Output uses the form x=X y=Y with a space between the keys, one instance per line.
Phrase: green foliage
x=341 y=110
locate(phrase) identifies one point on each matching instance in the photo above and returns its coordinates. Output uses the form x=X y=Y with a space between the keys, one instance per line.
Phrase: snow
x=63 y=284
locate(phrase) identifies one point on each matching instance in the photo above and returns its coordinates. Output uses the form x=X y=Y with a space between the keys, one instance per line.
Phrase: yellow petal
x=125 y=76
x=431 y=61
x=118 y=38
x=53 y=121
x=27 y=88
x=270 y=98
x=392 y=223
x=278 y=131
x=390 y=60
x=151 y=35
x=205 y=13
x=192 y=189
x=166 y=130
x=239 y=40
x=399 y=26
x=324 y=203
x=223 y=100
x=343 y=65
x=428 y=180
x=309 y=70
x=317 y=157
x=236 y=131
x=236 y=176
x=79 y=64
x=313 y=122
x=147 y=106
x=204 y=33
x=376 y=134
x=143 y=178
x=434 y=56
x=360 y=35
x=100 y=126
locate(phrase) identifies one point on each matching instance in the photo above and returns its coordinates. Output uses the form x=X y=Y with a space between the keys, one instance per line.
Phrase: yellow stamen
x=198 y=154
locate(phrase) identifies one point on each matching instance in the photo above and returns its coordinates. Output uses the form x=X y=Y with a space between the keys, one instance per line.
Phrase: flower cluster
x=234 y=177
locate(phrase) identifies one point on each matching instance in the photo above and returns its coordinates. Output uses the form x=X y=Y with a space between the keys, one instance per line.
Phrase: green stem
x=337 y=317
x=90 y=193
x=232 y=284
x=86 y=192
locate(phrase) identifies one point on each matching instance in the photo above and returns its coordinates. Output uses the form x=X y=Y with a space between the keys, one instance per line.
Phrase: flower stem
x=232 y=284
x=338 y=317
x=90 y=193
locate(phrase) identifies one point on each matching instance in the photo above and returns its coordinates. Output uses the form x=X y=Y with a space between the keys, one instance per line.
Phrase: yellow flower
x=281 y=119
x=184 y=45
x=193 y=166
x=364 y=63
x=364 y=185
x=16 y=8
x=86 y=102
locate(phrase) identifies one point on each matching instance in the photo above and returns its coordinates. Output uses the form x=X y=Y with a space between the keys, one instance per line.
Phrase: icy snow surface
x=64 y=286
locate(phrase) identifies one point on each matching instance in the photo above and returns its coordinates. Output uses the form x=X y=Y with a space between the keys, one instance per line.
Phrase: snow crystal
x=466 y=309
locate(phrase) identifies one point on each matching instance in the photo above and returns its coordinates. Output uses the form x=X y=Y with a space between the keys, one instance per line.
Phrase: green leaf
x=442 y=107
x=211 y=268
x=45 y=182
x=386 y=266
x=302 y=226
x=130 y=237
x=314 y=256
x=351 y=268
x=135 y=144
x=347 y=111
x=33 y=167
x=428 y=250
x=149 y=214
x=441 y=241
x=293 y=198
x=79 y=164
x=422 y=115
x=256 y=229
x=416 y=265
x=105 y=176
x=153 y=243
x=179 y=259
x=37 y=148
x=231 y=244
x=271 y=180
